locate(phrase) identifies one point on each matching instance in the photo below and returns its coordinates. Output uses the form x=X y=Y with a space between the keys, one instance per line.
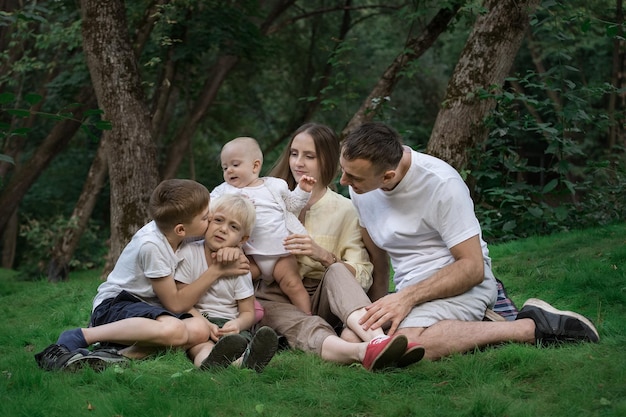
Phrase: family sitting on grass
x=170 y=290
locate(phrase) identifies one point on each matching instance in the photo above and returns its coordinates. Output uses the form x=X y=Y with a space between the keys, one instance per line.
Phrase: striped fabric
x=504 y=306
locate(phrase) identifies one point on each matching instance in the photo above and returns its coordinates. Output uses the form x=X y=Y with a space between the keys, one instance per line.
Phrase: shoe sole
x=411 y=357
x=390 y=355
x=225 y=351
x=93 y=361
x=262 y=349
x=535 y=302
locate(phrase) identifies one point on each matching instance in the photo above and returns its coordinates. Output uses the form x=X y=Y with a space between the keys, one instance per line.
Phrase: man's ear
x=389 y=176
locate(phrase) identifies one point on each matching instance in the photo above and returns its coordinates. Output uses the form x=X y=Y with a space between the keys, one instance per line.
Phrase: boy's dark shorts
x=125 y=306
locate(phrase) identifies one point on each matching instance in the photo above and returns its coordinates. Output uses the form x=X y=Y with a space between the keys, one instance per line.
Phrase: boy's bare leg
x=139 y=352
x=196 y=329
x=286 y=274
x=164 y=331
x=200 y=352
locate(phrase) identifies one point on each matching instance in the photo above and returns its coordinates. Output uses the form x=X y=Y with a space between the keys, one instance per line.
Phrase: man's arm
x=457 y=278
x=380 y=275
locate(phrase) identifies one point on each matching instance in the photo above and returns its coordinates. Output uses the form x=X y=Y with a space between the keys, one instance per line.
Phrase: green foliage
x=542 y=170
x=521 y=193
x=41 y=236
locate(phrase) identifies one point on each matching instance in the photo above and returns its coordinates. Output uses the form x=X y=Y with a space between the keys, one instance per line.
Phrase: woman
x=333 y=263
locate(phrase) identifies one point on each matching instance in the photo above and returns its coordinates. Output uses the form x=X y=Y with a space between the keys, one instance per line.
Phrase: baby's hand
x=307 y=183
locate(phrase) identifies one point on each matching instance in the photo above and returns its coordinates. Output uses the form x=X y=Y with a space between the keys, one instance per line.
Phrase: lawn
x=580 y=270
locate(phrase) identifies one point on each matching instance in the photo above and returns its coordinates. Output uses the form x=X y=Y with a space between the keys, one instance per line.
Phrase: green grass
x=581 y=270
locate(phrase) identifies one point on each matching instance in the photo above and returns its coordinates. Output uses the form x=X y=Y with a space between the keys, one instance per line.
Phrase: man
x=416 y=210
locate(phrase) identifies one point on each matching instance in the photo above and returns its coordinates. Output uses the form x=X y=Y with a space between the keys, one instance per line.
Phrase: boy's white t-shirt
x=147 y=256
x=428 y=212
x=220 y=300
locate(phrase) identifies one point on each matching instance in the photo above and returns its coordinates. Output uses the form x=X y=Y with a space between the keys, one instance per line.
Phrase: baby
x=276 y=215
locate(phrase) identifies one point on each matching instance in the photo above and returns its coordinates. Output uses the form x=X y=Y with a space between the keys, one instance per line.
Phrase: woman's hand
x=305 y=245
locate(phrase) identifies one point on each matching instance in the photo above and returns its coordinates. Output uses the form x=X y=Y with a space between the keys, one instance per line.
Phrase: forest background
x=99 y=101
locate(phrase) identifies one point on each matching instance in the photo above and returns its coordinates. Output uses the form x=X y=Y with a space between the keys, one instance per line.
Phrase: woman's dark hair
x=327 y=150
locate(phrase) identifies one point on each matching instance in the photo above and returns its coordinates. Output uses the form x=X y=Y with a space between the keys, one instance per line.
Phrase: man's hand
x=391 y=308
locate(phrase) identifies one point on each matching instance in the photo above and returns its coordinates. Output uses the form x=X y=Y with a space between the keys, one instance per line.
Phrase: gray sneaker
x=261 y=349
x=99 y=359
x=225 y=351
x=554 y=326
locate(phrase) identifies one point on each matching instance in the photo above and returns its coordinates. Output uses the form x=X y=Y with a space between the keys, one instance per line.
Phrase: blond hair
x=238 y=206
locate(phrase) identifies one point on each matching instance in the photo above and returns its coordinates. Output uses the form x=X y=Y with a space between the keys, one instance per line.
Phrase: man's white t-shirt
x=428 y=212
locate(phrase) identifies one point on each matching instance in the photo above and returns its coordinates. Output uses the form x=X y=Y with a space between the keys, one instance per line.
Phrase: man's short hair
x=177 y=201
x=374 y=142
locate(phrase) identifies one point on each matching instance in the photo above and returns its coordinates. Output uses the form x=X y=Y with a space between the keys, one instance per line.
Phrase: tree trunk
x=225 y=63
x=28 y=173
x=130 y=150
x=485 y=61
x=58 y=267
x=9 y=242
x=414 y=49
x=616 y=100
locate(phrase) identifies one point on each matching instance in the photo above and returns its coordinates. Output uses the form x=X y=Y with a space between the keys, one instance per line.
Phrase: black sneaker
x=58 y=357
x=261 y=349
x=225 y=351
x=554 y=326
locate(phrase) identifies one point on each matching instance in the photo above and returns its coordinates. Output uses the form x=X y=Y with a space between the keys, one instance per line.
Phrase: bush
x=40 y=237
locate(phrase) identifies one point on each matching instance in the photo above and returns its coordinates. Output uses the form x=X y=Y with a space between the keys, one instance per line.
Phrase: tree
x=484 y=63
x=129 y=146
x=415 y=47
x=62 y=252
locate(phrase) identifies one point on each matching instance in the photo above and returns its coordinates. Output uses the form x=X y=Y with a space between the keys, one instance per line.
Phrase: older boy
x=139 y=304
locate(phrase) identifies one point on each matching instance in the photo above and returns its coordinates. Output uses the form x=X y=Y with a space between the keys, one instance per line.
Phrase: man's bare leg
x=451 y=336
